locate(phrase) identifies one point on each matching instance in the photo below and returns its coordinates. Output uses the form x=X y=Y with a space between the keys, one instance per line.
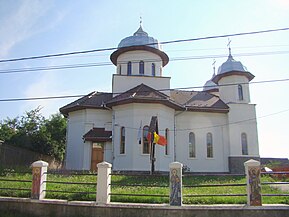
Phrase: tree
x=34 y=132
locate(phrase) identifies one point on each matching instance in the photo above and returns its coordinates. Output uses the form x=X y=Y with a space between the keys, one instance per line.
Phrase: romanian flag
x=158 y=139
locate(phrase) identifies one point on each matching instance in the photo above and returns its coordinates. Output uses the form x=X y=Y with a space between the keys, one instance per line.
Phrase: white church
x=209 y=131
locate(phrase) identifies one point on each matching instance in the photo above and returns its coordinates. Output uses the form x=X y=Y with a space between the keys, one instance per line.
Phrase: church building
x=209 y=131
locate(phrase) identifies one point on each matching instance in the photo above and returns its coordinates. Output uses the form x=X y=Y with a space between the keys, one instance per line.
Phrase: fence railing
x=101 y=188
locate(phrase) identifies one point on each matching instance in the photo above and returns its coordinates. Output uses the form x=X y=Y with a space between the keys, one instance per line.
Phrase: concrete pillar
x=176 y=197
x=103 y=183
x=39 y=169
x=253 y=171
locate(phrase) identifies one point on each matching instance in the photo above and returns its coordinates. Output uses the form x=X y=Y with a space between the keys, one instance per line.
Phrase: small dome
x=140 y=37
x=231 y=65
x=209 y=86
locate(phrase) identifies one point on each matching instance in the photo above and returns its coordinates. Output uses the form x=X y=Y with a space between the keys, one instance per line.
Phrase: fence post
x=176 y=196
x=39 y=169
x=103 y=183
x=253 y=172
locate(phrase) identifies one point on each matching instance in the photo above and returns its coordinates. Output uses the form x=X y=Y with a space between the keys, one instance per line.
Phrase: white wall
x=242 y=119
x=229 y=93
x=78 y=155
x=135 y=57
x=131 y=116
x=122 y=83
x=201 y=123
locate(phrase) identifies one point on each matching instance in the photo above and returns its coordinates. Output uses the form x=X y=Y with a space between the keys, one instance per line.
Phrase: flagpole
x=152 y=158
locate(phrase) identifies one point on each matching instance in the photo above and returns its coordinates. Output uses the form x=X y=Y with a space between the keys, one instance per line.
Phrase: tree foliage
x=34 y=132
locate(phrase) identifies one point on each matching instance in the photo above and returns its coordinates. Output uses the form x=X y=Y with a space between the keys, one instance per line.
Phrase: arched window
x=167 y=138
x=244 y=144
x=209 y=145
x=192 y=145
x=141 y=68
x=122 y=141
x=129 y=68
x=240 y=92
x=146 y=143
x=153 y=69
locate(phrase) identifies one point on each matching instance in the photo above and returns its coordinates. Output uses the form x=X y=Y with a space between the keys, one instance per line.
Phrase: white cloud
x=22 y=22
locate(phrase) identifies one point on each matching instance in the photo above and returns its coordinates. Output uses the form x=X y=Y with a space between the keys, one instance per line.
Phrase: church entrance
x=96 y=155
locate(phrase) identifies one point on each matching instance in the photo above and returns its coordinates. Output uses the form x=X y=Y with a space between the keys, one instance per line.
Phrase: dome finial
x=140 y=20
x=229 y=46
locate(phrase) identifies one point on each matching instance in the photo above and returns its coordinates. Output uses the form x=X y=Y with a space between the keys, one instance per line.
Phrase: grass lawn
x=156 y=187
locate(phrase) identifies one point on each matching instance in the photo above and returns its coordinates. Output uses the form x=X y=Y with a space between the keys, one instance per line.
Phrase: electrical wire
x=162 y=43
x=88 y=65
x=161 y=90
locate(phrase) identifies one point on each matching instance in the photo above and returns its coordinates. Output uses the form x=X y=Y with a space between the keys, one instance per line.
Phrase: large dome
x=140 y=37
x=140 y=40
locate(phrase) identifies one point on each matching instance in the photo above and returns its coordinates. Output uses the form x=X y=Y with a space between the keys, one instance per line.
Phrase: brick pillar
x=253 y=171
x=39 y=169
x=176 y=197
x=103 y=183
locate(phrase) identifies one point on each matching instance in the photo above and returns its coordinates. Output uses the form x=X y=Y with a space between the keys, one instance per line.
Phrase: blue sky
x=32 y=28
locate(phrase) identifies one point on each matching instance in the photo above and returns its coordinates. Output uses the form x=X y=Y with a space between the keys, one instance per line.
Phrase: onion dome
x=140 y=37
x=232 y=67
x=210 y=86
x=140 y=40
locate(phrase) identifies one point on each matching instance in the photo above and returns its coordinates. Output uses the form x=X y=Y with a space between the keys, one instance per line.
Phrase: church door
x=96 y=156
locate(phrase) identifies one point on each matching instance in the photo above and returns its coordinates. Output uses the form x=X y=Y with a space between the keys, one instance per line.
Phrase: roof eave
x=119 y=51
x=217 y=78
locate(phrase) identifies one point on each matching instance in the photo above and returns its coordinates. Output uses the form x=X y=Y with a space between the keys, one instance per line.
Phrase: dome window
x=129 y=68
x=153 y=69
x=141 y=68
x=240 y=92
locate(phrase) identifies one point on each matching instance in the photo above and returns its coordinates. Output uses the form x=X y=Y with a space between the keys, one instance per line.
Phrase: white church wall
x=132 y=116
x=135 y=57
x=242 y=119
x=75 y=145
x=121 y=83
x=202 y=123
x=229 y=93
x=108 y=152
x=80 y=122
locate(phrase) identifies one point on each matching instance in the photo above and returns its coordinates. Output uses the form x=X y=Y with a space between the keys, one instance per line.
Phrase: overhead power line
x=182 y=88
x=88 y=65
x=165 y=42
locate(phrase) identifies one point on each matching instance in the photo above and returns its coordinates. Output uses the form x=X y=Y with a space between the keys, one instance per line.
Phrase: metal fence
x=130 y=187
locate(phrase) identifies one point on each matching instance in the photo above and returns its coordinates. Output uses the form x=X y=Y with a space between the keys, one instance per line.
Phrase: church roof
x=199 y=101
x=178 y=99
x=142 y=94
x=91 y=100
